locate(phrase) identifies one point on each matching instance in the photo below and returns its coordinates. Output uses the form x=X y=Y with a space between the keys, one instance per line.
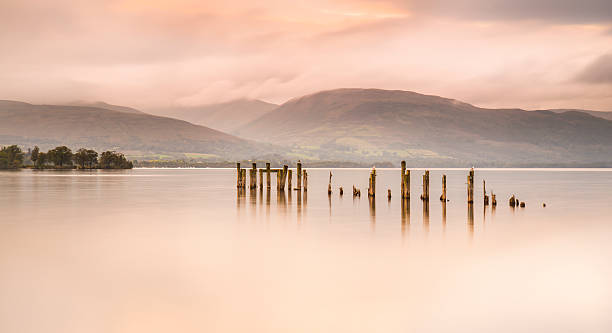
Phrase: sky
x=158 y=53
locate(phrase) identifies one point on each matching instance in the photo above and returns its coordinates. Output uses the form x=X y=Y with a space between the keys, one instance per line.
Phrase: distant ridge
x=389 y=125
x=104 y=105
x=601 y=114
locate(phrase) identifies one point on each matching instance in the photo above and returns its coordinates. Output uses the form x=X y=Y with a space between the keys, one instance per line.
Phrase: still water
x=179 y=250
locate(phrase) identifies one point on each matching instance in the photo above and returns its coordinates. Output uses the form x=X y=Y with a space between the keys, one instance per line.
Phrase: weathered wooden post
x=389 y=194
x=512 y=201
x=244 y=179
x=493 y=200
x=305 y=181
x=403 y=188
x=372 y=183
x=470 y=184
x=289 y=176
x=329 y=189
x=299 y=176
x=443 y=196
x=278 y=179
x=268 y=180
x=425 y=195
x=341 y=191
x=238 y=174
x=284 y=176
x=406 y=194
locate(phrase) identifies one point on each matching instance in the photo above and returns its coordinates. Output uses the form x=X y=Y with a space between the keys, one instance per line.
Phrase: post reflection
x=426 y=215
x=405 y=216
x=471 y=219
x=443 y=216
x=299 y=207
x=253 y=204
x=281 y=201
x=372 y=207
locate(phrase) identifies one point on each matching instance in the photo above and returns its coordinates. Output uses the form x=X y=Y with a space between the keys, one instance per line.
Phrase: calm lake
x=179 y=250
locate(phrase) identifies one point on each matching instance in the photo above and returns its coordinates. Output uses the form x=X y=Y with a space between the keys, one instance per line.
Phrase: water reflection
x=470 y=217
x=426 y=215
x=405 y=215
x=372 y=206
x=444 y=216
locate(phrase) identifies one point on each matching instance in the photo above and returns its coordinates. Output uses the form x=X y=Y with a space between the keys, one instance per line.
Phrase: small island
x=62 y=157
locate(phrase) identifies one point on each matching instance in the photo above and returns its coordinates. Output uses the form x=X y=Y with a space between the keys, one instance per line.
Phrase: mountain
x=384 y=125
x=226 y=117
x=106 y=106
x=601 y=114
x=98 y=128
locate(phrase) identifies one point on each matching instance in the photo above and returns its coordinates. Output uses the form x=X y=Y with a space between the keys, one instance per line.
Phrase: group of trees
x=12 y=157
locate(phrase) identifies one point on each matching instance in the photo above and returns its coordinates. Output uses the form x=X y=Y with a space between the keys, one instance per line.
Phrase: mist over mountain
x=92 y=127
x=226 y=117
x=385 y=125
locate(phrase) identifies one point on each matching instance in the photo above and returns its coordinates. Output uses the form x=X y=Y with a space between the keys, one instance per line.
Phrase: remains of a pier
x=282 y=175
x=484 y=191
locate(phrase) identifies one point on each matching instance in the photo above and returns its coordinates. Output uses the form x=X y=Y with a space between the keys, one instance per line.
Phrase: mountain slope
x=75 y=126
x=226 y=117
x=601 y=114
x=373 y=124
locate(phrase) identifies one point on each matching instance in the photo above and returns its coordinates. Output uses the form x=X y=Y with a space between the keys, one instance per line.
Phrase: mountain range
x=132 y=132
x=389 y=125
x=351 y=125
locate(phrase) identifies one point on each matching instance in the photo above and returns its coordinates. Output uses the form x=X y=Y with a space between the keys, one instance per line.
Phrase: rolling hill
x=601 y=114
x=226 y=117
x=383 y=125
x=80 y=126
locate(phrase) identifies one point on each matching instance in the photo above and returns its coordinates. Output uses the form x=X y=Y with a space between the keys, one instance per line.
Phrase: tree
x=60 y=156
x=114 y=160
x=41 y=160
x=34 y=154
x=11 y=157
x=86 y=158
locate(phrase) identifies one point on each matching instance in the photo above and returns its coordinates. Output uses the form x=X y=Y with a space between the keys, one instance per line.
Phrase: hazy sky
x=147 y=53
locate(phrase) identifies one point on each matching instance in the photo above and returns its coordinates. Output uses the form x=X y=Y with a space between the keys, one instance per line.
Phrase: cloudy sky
x=150 y=53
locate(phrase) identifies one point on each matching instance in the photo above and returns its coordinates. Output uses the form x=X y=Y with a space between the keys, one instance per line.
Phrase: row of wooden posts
x=284 y=177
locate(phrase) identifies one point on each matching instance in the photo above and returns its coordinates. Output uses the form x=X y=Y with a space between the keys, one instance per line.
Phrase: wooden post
x=425 y=195
x=406 y=194
x=512 y=201
x=238 y=174
x=284 y=177
x=243 y=180
x=254 y=185
x=278 y=180
x=329 y=189
x=493 y=200
x=341 y=191
x=299 y=176
x=389 y=194
x=372 y=183
x=403 y=188
x=268 y=180
x=470 y=183
x=305 y=181
x=290 y=176
x=443 y=196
